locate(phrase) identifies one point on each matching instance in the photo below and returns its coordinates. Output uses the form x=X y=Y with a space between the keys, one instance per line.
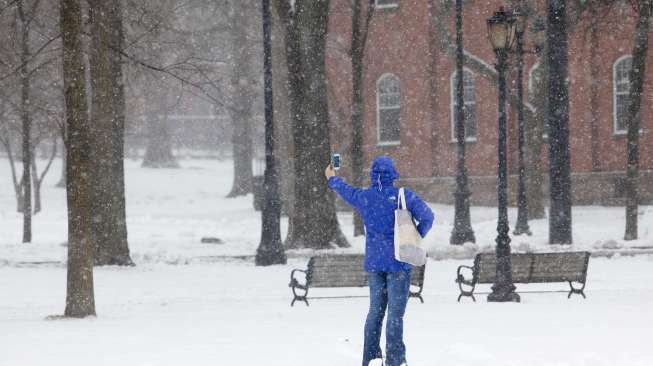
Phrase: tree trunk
x=534 y=130
x=80 y=300
x=37 y=179
x=242 y=154
x=158 y=152
x=637 y=75
x=18 y=186
x=358 y=40
x=36 y=182
x=62 y=180
x=595 y=87
x=282 y=125
x=241 y=108
x=121 y=248
x=107 y=113
x=26 y=124
x=560 y=229
x=314 y=221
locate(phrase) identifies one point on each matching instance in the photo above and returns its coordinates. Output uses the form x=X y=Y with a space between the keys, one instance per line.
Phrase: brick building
x=408 y=92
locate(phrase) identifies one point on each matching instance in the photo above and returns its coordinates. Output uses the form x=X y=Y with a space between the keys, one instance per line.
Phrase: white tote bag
x=408 y=241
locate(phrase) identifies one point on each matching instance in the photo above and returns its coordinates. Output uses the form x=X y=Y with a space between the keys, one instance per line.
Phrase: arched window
x=535 y=83
x=621 y=92
x=469 y=108
x=388 y=107
x=386 y=4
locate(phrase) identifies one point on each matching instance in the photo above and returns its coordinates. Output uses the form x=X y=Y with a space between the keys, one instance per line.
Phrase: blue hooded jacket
x=377 y=205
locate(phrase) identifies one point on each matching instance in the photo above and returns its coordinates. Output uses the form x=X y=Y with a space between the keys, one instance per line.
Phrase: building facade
x=408 y=92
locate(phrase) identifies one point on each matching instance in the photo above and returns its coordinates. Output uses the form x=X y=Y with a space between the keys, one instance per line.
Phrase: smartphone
x=335 y=161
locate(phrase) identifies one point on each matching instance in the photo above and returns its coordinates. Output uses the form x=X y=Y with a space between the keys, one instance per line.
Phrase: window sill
x=388 y=143
x=467 y=140
x=386 y=7
x=624 y=133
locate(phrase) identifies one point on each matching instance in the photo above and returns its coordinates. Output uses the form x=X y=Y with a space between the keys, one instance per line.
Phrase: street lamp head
x=501 y=30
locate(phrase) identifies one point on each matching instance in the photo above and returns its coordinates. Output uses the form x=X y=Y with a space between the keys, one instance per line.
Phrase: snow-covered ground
x=234 y=313
x=188 y=303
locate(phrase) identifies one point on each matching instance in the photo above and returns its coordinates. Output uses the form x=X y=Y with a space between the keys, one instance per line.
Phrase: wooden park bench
x=341 y=270
x=568 y=267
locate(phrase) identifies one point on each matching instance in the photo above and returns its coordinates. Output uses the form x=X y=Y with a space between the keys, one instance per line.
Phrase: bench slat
x=559 y=267
x=346 y=270
x=521 y=268
x=535 y=267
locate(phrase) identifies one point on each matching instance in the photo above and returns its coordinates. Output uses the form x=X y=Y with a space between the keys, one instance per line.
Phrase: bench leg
x=466 y=294
x=300 y=298
x=574 y=290
x=417 y=294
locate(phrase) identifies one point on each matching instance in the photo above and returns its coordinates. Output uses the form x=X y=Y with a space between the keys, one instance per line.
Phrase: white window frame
x=616 y=131
x=378 y=112
x=530 y=77
x=386 y=6
x=452 y=108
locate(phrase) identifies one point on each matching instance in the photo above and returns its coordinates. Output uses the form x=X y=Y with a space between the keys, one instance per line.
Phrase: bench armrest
x=294 y=282
x=461 y=279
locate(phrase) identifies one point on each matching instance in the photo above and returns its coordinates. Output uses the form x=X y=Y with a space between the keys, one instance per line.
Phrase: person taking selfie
x=388 y=278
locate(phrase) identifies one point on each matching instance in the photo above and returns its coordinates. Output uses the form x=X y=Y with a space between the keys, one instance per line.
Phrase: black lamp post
x=522 y=205
x=501 y=31
x=462 y=228
x=270 y=250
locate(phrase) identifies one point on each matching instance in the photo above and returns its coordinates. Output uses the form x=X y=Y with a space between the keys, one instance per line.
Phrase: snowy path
x=238 y=314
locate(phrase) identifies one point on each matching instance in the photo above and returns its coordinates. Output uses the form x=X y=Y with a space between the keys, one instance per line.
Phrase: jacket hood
x=383 y=172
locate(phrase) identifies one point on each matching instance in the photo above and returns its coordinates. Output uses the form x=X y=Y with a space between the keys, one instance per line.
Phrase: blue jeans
x=387 y=290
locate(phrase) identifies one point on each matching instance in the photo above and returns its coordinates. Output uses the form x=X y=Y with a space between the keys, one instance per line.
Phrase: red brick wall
x=398 y=44
x=401 y=42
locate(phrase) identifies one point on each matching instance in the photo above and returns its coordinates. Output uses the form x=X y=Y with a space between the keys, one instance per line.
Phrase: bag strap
x=401 y=199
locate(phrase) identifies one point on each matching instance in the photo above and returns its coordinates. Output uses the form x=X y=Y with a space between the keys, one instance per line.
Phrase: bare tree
x=37 y=179
x=282 y=121
x=314 y=221
x=80 y=299
x=643 y=9
x=26 y=17
x=158 y=151
x=361 y=19
x=108 y=118
x=534 y=130
x=174 y=50
x=30 y=96
x=243 y=88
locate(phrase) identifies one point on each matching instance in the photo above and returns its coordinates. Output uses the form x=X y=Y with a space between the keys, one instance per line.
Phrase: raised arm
x=351 y=195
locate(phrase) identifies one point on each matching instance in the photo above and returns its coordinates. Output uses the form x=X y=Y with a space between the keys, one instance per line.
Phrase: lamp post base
x=267 y=256
x=462 y=228
x=522 y=229
x=460 y=237
x=503 y=293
